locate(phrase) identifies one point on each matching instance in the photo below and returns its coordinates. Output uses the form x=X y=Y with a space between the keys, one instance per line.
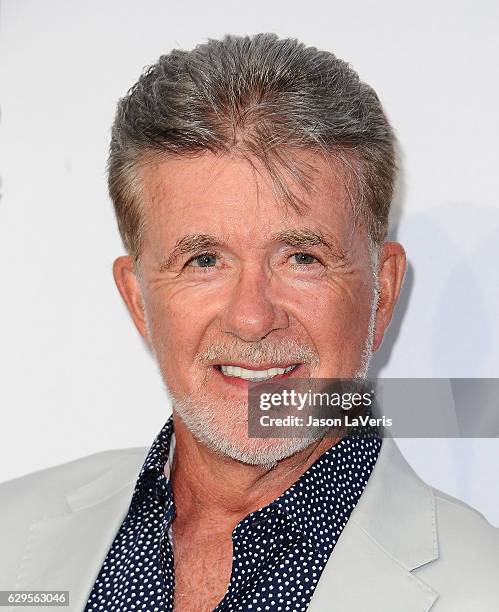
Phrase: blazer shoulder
x=46 y=496
x=459 y=524
x=465 y=573
x=45 y=485
x=455 y=512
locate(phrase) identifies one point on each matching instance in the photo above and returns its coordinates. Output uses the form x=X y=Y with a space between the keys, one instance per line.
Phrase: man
x=252 y=180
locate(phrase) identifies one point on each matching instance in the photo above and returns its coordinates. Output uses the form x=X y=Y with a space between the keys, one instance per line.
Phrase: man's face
x=231 y=278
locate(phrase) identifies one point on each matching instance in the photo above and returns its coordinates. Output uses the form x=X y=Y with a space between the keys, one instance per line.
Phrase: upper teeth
x=254 y=375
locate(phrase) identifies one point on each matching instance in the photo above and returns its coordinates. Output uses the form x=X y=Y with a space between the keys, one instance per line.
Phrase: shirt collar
x=155 y=472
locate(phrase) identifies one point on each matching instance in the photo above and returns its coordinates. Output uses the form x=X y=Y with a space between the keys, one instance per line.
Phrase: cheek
x=172 y=327
x=338 y=323
x=177 y=323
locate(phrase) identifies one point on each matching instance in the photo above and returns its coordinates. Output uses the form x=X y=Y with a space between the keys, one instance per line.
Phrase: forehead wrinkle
x=160 y=168
x=217 y=168
x=220 y=162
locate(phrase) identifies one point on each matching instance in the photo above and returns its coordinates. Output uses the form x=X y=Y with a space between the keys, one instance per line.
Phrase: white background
x=75 y=378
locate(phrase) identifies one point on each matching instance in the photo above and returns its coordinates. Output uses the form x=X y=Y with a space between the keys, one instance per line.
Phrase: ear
x=391 y=270
x=129 y=288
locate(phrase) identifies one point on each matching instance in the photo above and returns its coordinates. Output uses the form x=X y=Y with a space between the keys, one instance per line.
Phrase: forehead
x=236 y=195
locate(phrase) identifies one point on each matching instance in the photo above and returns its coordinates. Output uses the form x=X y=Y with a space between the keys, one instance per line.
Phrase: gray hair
x=262 y=97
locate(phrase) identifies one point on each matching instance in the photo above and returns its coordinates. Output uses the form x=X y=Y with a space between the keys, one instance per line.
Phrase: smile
x=254 y=375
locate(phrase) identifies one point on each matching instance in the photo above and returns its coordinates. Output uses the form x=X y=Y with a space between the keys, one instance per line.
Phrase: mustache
x=286 y=350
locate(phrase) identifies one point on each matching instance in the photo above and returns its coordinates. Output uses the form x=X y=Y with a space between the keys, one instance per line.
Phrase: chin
x=222 y=426
x=266 y=453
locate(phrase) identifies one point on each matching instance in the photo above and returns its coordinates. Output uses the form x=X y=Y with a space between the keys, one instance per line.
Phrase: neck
x=210 y=488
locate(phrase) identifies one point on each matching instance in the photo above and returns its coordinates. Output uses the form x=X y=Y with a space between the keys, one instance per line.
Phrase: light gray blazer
x=406 y=547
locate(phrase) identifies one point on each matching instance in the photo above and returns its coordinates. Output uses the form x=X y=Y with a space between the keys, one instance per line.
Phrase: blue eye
x=304 y=258
x=205 y=260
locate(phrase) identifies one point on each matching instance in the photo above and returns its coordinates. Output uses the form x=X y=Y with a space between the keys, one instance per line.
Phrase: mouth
x=255 y=374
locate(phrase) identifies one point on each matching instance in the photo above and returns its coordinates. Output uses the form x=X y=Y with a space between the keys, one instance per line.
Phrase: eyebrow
x=190 y=244
x=300 y=238
x=307 y=237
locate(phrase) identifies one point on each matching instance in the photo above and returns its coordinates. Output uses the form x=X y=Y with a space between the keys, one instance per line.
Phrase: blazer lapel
x=391 y=532
x=66 y=552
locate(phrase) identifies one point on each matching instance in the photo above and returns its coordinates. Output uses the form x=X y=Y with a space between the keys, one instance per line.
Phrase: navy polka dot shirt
x=279 y=551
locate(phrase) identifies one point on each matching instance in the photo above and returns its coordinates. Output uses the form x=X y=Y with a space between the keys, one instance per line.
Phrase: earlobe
x=129 y=288
x=391 y=275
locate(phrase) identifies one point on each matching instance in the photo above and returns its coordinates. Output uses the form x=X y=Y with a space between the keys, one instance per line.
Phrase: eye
x=204 y=260
x=304 y=258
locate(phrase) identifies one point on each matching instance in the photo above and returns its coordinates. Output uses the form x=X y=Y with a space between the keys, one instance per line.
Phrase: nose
x=252 y=311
